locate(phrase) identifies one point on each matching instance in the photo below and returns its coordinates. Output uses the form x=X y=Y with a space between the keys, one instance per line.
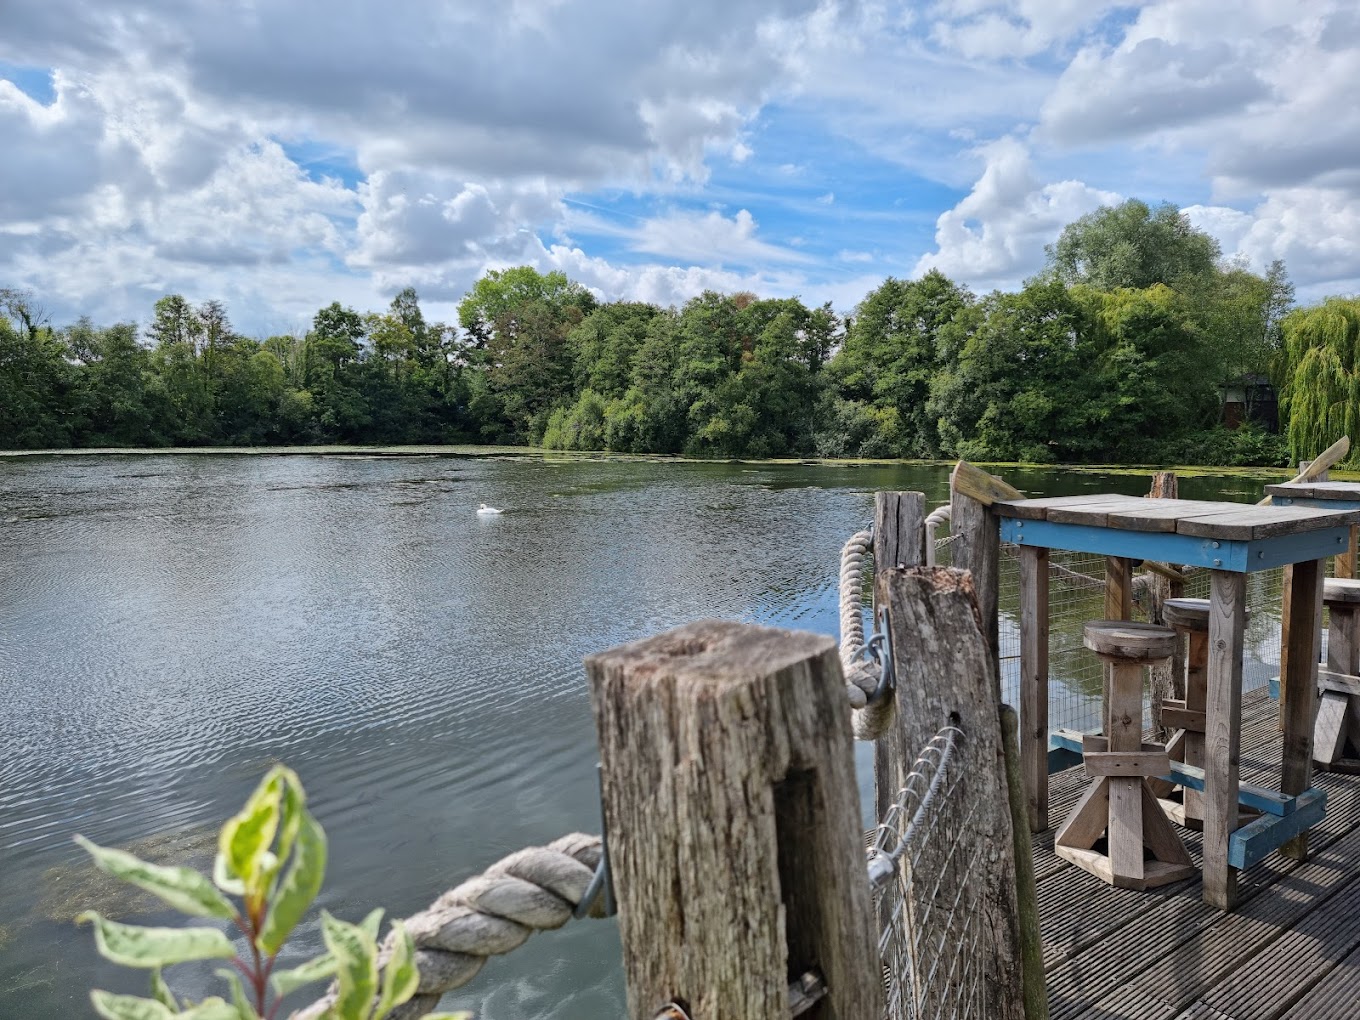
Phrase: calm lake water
x=172 y=624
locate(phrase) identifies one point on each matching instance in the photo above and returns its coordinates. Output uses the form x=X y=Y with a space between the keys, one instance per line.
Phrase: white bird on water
x=487 y=511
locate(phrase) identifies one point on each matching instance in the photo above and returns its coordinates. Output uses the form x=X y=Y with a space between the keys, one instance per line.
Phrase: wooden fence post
x=732 y=821
x=945 y=674
x=977 y=545
x=899 y=540
x=1168 y=679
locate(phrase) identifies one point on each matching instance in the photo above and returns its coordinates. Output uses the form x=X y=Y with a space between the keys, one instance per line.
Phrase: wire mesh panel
x=924 y=856
x=1076 y=595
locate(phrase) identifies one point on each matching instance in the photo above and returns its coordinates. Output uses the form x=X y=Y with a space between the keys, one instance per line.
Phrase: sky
x=279 y=155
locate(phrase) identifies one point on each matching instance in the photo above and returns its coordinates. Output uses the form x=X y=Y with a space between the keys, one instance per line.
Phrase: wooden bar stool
x=1189 y=618
x=1141 y=849
x=1336 y=735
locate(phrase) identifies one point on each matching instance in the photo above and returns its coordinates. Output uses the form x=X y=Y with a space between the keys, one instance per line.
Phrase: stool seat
x=1128 y=641
x=1341 y=591
x=1186 y=614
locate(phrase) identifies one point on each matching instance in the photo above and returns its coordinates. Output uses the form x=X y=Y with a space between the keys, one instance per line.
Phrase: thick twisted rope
x=536 y=889
x=868 y=721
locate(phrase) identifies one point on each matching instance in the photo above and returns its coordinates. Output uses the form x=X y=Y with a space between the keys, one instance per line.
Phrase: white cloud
x=996 y=235
x=459 y=129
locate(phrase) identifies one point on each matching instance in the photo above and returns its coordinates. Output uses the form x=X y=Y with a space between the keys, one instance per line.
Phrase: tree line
x=1115 y=352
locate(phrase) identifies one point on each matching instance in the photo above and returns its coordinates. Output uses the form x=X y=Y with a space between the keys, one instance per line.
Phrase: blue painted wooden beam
x=1272 y=802
x=1255 y=840
x=1313 y=501
x=1237 y=556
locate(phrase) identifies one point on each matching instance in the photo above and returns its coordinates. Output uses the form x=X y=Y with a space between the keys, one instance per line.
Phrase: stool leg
x=1196 y=699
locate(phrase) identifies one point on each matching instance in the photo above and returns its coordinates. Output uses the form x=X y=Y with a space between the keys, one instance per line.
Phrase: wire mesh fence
x=1076 y=595
x=924 y=855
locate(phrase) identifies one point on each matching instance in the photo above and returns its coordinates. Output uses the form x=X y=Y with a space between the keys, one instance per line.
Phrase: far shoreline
x=472 y=451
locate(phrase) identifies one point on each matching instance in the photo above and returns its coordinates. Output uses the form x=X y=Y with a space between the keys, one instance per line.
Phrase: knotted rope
x=536 y=889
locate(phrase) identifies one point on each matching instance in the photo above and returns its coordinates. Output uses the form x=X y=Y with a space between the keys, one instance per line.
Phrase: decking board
x=1119 y=955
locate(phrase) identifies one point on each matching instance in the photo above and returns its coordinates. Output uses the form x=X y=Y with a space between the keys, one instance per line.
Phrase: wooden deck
x=1289 y=949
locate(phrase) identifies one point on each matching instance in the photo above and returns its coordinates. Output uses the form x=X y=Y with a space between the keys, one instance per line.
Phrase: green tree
x=892 y=351
x=1319 y=368
x=1150 y=386
x=498 y=296
x=35 y=378
x=1023 y=384
x=1131 y=245
x=519 y=321
x=331 y=372
x=118 y=400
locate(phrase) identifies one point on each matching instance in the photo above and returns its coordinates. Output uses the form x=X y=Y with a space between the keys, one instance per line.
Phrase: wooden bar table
x=1231 y=540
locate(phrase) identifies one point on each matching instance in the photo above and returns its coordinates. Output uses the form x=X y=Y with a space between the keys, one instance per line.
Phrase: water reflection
x=173 y=624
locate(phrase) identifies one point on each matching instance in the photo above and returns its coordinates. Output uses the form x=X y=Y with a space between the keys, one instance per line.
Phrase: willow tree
x=1320 y=371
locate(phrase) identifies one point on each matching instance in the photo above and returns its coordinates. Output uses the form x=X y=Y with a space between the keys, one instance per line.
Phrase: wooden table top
x=1197 y=518
x=1316 y=490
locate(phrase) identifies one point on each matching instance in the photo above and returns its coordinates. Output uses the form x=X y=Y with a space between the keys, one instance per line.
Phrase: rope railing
x=535 y=889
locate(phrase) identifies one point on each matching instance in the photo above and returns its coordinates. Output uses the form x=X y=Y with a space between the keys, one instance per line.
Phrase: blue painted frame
x=1255 y=840
x=1239 y=557
x=1315 y=503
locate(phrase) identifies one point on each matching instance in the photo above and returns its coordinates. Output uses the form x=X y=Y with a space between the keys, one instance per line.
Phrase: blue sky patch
x=34 y=82
x=320 y=160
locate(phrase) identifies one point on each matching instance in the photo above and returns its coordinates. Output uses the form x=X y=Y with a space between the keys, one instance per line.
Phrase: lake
x=172 y=624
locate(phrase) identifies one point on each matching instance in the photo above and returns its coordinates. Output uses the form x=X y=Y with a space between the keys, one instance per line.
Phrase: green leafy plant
x=270 y=863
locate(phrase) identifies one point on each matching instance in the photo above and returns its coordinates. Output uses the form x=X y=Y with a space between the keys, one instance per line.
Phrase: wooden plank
x=1343 y=643
x=1151 y=952
x=1334 y=993
x=978 y=485
x=1124 y=723
x=1183 y=718
x=1291 y=964
x=1118 y=588
x=1125 y=840
x=1037 y=509
x=1329 y=732
x=1088 y=820
x=1227 y=628
x=1127 y=763
x=1034 y=594
x=1163 y=515
x=1299 y=648
x=1345 y=563
x=899 y=538
x=1250 y=795
x=1160 y=838
x=1253 y=523
x=1097 y=511
x=1318 y=468
x=1341 y=683
x=1317 y=490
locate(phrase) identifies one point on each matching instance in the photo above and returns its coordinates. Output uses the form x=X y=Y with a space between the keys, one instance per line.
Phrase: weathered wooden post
x=1168 y=682
x=899 y=541
x=946 y=675
x=733 y=825
x=977 y=540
